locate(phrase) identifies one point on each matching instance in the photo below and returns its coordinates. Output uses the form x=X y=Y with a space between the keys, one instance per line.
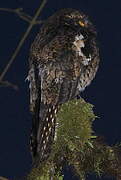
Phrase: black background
x=104 y=92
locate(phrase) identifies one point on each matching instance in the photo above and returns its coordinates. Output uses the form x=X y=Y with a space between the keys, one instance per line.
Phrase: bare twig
x=32 y=23
x=8 y=84
x=21 y=14
x=2 y=178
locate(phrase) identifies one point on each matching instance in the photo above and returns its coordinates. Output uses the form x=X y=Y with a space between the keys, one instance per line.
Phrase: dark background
x=104 y=92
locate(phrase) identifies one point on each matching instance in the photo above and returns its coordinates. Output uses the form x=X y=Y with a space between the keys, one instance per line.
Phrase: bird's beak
x=81 y=23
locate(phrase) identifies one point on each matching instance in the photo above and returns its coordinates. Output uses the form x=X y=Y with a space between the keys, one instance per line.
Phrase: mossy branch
x=78 y=147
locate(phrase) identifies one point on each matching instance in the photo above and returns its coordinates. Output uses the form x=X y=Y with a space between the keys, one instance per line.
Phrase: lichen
x=76 y=146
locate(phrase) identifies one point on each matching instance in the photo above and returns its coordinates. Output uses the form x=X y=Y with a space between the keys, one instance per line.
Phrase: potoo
x=64 y=59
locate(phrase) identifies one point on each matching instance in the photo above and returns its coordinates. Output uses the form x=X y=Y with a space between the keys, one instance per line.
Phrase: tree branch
x=3 y=178
x=32 y=23
x=21 y=14
x=76 y=147
x=9 y=84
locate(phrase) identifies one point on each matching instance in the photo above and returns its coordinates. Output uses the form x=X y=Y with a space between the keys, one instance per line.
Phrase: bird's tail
x=43 y=132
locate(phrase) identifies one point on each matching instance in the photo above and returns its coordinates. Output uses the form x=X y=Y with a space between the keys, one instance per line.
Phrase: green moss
x=74 y=129
x=75 y=121
x=76 y=146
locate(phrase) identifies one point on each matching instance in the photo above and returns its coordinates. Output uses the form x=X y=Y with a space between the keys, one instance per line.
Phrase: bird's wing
x=51 y=84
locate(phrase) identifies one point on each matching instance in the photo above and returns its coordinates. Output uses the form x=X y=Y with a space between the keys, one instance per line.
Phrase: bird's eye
x=81 y=23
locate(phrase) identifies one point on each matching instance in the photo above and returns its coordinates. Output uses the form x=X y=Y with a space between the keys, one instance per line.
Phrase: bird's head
x=73 y=17
x=79 y=26
x=82 y=29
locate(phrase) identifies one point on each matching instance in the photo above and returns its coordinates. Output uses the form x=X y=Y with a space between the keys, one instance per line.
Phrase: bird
x=63 y=60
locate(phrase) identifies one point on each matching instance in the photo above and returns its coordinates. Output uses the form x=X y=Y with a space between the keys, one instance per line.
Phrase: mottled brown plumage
x=63 y=60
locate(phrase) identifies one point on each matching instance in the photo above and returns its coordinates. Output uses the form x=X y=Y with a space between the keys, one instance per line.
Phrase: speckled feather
x=58 y=72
